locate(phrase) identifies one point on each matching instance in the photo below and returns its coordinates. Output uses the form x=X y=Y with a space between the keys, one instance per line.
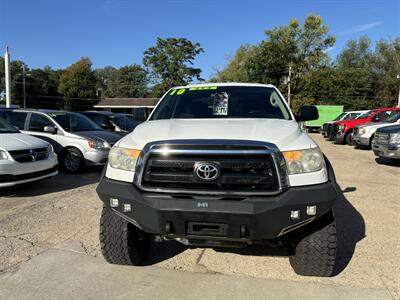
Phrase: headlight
x=363 y=131
x=123 y=158
x=341 y=127
x=3 y=155
x=304 y=161
x=50 y=148
x=98 y=144
x=394 y=138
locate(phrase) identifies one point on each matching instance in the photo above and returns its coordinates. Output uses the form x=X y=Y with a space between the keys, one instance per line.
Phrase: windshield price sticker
x=201 y=88
x=220 y=106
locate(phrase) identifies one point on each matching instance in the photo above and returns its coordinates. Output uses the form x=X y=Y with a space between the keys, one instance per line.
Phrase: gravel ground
x=42 y=215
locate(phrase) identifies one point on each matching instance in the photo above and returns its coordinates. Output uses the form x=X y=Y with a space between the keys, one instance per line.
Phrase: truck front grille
x=29 y=155
x=381 y=138
x=237 y=173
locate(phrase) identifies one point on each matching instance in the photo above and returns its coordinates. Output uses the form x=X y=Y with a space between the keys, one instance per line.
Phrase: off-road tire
x=315 y=254
x=121 y=242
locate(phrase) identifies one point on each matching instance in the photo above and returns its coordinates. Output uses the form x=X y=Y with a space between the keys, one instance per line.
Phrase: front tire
x=121 y=242
x=71 y=160
x=315 y=254
x=348 y=139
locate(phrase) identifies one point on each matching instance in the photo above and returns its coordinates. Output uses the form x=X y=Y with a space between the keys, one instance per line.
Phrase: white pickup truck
x=221 y=165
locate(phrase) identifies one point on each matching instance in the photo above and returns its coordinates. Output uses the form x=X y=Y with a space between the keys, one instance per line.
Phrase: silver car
x=77 y=140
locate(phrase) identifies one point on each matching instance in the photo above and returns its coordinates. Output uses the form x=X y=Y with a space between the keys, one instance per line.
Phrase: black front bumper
x=251 y=218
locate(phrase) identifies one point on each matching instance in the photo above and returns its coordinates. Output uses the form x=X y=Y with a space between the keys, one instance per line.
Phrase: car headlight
x=363 y=131
x=123 y=158
x=3 y=155
x=341 y=127
x=50 y=148
x=304 y=161
x=98 y=144
x=394 y=138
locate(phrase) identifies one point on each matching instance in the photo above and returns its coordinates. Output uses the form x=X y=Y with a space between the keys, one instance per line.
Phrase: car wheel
x=72 y=160
x=121 y=242
x=315 y=254
x=348 y=139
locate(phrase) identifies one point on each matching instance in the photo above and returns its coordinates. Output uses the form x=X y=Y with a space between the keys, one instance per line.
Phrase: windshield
x=393 y=118
x=122 y=122
x=339 y=117
x=74 y=122
x=366 y=115
x=222 y=102
x=6 y=127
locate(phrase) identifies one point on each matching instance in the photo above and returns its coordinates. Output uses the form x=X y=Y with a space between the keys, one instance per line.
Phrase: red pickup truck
x=344 y=129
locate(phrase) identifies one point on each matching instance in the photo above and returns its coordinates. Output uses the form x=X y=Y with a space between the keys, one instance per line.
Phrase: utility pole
x=398 y=100
x=24 y=83
x=289 y=82
x=7 y=77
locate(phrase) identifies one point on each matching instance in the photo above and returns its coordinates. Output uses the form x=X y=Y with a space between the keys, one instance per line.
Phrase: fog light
x=312 y=210
x=295 y=215
x=127 y=208
x=114 y=202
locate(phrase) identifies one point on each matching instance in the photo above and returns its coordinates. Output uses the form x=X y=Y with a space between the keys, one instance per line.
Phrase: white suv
x=23 y=158
x=221 y=165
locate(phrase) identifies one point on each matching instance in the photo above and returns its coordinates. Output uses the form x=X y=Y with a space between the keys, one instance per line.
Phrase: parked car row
x=377 y=129
x=33 y=143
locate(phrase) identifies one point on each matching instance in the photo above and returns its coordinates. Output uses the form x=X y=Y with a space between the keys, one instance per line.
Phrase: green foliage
x=78 y=81
x=128 y=81
x=169 y=62
x=361 y=77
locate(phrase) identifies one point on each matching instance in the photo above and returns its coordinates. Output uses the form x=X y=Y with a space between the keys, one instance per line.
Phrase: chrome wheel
x=72 y=161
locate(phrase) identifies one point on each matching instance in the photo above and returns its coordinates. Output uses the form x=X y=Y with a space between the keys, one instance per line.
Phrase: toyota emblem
x=206 y=171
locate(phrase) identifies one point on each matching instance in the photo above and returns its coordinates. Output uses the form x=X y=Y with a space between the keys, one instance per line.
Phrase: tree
x=236 y=70
x=103 y=75
x=128 y=81
x=302 y=47
x=78 y=81
x=169 y=62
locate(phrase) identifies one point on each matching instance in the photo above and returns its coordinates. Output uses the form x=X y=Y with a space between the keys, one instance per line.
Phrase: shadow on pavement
x=163 y=251
x=350 y=227
x=58 y=183
x=388 y=162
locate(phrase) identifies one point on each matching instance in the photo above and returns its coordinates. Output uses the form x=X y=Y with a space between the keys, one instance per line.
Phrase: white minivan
x=24 y=158
x=77 y=140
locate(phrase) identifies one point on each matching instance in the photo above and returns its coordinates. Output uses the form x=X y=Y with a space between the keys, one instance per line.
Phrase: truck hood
x=20 y=141
x=287 y=135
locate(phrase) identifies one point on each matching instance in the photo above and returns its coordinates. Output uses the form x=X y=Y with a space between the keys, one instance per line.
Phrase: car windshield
x=73 y=122
x=339 y=117
x=366 y=115
x=122 y=122
x=393 y=118
x=6 y=127
x=222 y=102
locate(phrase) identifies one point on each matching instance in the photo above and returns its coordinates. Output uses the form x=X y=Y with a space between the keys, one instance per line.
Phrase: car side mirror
x=307 y=113
x=50 y=129
x=109 y=127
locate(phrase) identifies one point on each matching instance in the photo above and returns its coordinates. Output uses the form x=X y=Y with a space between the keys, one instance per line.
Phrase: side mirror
x=50 y=129
x=109 y=127
x=307 y=113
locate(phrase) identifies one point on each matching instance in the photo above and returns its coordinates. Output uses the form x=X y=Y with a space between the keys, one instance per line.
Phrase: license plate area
x=207 y=229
